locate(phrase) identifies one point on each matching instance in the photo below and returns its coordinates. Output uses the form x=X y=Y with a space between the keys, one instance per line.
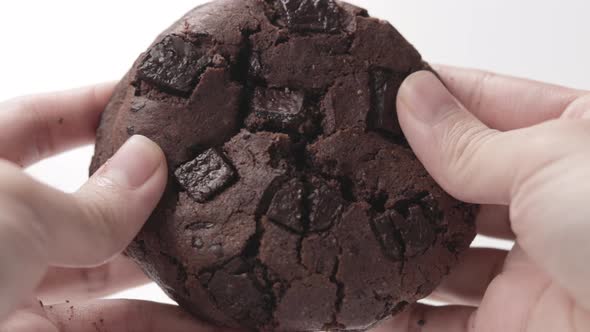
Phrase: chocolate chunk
x=406 y=235
x=311 y=15
x=325 y=205
x=173 y=65
x=388 y=235
x=384 y=87
x=205 y=176
x=278 y=109
x=286 y=207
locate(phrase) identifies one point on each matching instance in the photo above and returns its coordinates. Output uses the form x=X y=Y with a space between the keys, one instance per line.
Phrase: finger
x=522 y=168
x=467 y=283
x=451 y=142
x=550 y=218
x=424 y=318
x=86 y=283
x=514 y=295
x=36 y=127
x=107 y=315
x=40 y=226
x=506 y=103
x=494 y=221
x=471 y=161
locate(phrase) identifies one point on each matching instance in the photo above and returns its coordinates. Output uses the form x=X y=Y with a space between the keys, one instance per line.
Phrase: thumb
x=118 y=199
x=41 y=226
x=452 y=143
x=538 y=171
x=471 y=161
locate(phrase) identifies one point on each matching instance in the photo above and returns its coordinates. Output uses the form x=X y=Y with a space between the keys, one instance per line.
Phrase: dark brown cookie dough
x=294 y=202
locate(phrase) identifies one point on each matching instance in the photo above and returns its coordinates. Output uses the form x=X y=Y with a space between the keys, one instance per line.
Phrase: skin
x=55 y=247
x=513 y=145
x=519 y=147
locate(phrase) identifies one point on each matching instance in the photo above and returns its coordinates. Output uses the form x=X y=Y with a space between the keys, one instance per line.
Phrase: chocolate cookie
x=294 y=201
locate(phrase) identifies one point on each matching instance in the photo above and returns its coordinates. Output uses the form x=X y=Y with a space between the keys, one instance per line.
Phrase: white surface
x=58 y=44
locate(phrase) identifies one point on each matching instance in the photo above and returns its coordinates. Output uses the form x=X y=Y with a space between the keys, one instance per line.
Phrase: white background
x=59 y=44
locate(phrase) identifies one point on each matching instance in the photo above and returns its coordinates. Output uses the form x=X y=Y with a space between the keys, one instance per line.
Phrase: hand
x=56 y=246
x=521 y=148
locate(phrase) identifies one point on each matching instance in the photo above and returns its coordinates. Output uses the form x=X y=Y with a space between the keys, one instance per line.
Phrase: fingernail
x=425 y=97
x=135 y=162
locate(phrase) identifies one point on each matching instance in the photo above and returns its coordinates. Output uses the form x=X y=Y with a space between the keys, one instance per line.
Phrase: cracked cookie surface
x=294 y=202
